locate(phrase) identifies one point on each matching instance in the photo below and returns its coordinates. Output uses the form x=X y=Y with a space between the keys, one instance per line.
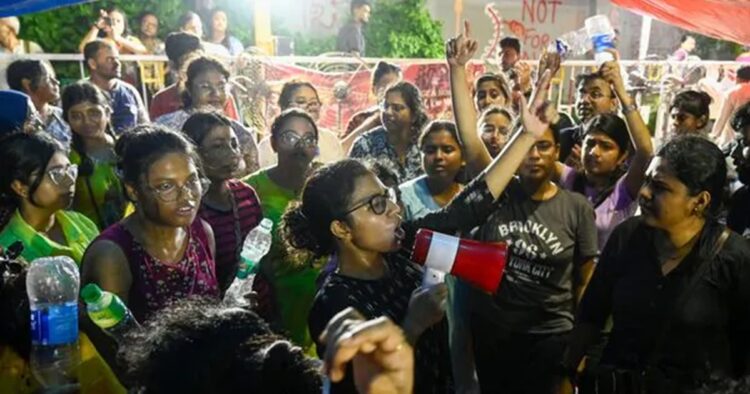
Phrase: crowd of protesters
x=628 y=268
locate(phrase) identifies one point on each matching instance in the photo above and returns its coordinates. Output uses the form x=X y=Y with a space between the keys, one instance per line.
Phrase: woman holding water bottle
x=163 y=251
x=285 y=282
x=231 y=207
x=39 y=181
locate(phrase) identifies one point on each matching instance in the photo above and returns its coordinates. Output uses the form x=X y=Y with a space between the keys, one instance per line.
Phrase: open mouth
x=186 y=210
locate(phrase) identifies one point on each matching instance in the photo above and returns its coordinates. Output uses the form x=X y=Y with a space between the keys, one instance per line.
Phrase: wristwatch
x=626 y=109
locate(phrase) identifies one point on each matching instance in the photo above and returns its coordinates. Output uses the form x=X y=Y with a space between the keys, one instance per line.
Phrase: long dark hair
x=306 y=224
x=413 y=99
x=84 y=92
x=26 y=156
x=227 y=34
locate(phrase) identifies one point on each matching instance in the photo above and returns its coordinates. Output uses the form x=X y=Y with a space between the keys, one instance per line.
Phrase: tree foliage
x=403 y=29
x=60 y=30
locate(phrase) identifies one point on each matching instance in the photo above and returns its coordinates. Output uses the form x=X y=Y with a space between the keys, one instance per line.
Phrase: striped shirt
x=222 y=222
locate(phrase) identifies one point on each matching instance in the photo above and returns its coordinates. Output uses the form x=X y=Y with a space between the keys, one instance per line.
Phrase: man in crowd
x=518 y=72
x=594 y=96
x=351 y=38
x=103 y=62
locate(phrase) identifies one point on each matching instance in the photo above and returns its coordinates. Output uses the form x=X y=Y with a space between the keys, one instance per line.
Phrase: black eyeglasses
x=378 y=203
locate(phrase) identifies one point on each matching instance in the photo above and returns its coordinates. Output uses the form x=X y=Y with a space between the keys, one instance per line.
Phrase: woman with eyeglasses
x=494 y=125
x=285 y=282
x=395 y=143
x=230 y=206
x=162 y=251
x=39 y=181
x=347 y=212
x=18 y=115
x=304 y=96
x=99 y=193
x=205 y=89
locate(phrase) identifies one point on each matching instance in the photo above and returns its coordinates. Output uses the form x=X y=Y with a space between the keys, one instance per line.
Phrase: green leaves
x=403 y=29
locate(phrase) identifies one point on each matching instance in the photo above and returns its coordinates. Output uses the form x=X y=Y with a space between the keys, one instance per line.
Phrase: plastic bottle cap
x=266 y=223
x=91 y=293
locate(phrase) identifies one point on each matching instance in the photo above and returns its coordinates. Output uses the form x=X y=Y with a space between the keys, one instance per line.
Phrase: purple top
x=156 y=284
x=615 y=209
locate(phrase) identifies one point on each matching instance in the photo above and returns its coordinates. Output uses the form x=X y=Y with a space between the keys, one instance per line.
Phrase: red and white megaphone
x=479 y=263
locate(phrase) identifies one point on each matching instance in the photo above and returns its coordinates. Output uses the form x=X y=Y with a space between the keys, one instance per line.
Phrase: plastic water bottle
x=602 y=37
x=256 y=245
x=52 y=284
x=572 y=43
x=108 y=311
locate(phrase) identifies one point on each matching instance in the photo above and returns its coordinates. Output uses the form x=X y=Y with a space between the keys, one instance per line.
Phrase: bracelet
x=626 y=109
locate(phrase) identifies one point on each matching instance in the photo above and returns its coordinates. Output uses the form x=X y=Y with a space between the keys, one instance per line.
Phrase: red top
x=225 y=229
x=156 y=284
x=168 y=100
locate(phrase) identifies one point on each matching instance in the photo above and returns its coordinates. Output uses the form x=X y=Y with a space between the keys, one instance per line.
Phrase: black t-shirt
x=388 y=296
x=546 y=239
x=709 y=331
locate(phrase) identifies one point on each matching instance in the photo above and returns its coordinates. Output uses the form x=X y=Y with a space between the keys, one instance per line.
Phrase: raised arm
x=471 y=207
x=458 y=52
x=639 y=133
x=133 y=46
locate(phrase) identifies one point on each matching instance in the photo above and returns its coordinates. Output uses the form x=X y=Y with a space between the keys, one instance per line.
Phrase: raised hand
x=533 y=114
x=523 y=76
x=611 y=73
x=382 y=358
x=427 y=305
x=549 y=61
x=459 y=50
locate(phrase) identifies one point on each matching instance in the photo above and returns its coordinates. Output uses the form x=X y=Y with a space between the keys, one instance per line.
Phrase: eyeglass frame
x=390 y=194
x=281 y=135
x=209 y=88
x=202 y=182
x=307 y=104
x=70 y=172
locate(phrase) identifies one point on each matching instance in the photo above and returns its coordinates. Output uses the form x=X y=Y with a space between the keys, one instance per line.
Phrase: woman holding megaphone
x=345 y=210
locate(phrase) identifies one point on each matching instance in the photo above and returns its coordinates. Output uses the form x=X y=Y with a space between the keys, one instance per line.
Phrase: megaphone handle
x=432 y=277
